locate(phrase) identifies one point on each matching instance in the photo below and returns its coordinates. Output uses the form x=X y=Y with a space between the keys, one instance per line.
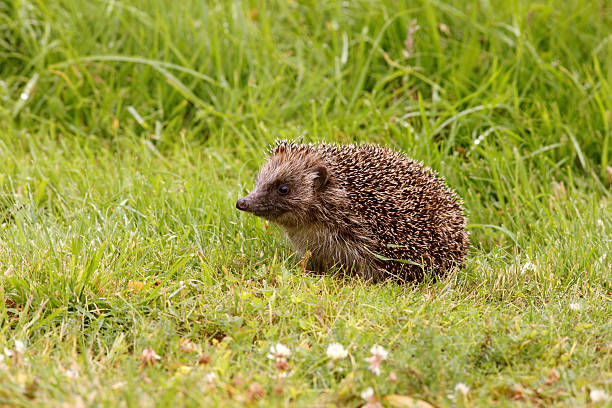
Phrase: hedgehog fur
x=364 y=208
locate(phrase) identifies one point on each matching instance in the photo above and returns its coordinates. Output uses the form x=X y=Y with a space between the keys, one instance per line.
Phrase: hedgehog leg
x=317 y=265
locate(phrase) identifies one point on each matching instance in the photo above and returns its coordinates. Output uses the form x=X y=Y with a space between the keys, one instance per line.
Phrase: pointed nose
x=242 y=204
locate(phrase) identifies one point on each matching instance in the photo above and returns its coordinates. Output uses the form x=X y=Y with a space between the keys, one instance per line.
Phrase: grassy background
x=129 y=128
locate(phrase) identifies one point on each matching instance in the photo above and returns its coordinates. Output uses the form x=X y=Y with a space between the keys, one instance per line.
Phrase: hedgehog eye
x=283 y=189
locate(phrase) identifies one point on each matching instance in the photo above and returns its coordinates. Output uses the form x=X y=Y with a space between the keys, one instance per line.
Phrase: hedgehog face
x=286 y=190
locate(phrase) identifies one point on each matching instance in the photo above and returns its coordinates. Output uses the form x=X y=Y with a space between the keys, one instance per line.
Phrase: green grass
x=129 y=129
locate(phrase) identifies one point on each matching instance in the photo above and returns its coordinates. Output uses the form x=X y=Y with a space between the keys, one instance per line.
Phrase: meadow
x=128 y=129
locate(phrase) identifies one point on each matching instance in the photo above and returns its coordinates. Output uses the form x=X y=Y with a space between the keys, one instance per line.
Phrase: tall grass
x=128 y=129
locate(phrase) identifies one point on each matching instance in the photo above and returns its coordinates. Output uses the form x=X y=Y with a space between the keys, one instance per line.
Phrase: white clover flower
x=19 y=346
x=149 y=356
x=8 y=352
x=72 y=372
x=375 y=364
x=210 y=378
x=283 y=374
x=598 y=396
x=379 y=351
x=367 y=394
x=574 y=306
x=118 y=385
x=336 y=351
x=278 y=351
x=528 y=266
x=379 y=354
x=462 y=388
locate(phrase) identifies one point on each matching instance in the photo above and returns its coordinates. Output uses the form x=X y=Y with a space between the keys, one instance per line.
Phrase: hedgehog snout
x=242 y=204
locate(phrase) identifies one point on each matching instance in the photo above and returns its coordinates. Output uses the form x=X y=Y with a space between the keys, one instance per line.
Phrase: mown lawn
x=129 y=128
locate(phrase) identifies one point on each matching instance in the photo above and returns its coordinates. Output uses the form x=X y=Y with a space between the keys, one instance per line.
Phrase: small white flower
x=118 y=385
x=574 y=306
x=8 y=352
x=278 y=351
x=528 y=266
x=283 y=374
x=462 y=388
x=336 y=351
x=598 y=396
x=72 y=372
x=379 y=352
x=149 y=356
x=210 y=378
x=367 y=394
x=19 y=346
x=375 y=364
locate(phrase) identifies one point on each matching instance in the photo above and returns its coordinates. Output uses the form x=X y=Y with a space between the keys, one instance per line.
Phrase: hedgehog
x=363 y=208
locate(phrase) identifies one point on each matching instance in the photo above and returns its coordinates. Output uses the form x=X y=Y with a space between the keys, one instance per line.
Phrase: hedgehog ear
x=321 y=176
